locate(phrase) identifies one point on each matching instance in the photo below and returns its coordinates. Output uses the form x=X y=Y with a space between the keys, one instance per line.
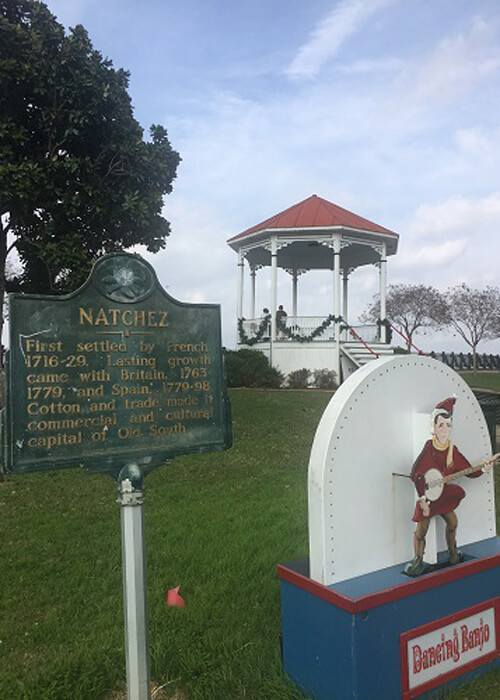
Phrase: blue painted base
x=343 y=641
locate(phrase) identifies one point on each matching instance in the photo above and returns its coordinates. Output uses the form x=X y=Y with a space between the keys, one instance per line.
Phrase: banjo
x=435 y=481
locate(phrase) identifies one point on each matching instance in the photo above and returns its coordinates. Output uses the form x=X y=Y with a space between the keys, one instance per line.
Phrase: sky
x=388 y=108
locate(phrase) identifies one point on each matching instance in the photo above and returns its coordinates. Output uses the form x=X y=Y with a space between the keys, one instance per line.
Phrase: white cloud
x=197 y=266
x=345 y=20
x=473 y=142
x=368 y=65
x=453 y=241
x=458 y=63
x=432 y=255
x=458 y=216
x=478 y=152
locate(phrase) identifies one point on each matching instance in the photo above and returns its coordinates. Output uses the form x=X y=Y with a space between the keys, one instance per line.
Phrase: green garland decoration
x=317 y=331
x=263 y=326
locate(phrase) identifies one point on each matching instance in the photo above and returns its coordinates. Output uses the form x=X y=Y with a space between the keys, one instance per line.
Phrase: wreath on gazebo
x=259 y=333
x=314 y=334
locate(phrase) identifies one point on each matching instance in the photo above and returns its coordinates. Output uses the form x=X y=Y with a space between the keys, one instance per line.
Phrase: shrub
x=299 y=379
x=251 y=368
x=324 y=379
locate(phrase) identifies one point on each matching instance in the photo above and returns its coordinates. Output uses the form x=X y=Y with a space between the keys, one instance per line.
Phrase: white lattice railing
x=305 y=325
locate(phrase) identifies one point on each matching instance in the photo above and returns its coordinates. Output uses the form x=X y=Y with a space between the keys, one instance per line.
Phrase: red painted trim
x=497 y=625
x=317 y=589
x=373 y=600
x=410 y=693
x=403 y=660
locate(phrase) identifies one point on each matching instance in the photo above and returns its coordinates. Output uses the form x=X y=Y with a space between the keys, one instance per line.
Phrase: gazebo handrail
x=359 y=338
x=407 y=340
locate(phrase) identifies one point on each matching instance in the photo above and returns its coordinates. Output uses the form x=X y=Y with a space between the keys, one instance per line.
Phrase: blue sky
x=389 y=108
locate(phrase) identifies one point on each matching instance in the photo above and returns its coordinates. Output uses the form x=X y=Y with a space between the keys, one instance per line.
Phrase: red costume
x=433 y=458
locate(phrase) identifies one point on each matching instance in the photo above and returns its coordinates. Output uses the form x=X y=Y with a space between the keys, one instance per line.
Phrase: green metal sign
x=116 y=372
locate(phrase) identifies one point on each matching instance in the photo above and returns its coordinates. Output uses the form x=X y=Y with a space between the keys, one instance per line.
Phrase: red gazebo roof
x=315 y=212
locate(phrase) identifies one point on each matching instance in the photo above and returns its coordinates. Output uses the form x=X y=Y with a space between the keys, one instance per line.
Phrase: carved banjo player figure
x=438 y=463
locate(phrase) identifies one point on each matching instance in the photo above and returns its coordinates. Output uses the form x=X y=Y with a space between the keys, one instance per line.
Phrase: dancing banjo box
x=353 y=624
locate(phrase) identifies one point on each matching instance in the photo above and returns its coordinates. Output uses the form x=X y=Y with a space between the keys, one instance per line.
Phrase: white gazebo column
x=345 y=289
x=253 y=273
x=241 y=264
x=383 y=292
x=295 y=276
x=345 y=298
x=336 y=284
x=336 y=302
x=274 y=286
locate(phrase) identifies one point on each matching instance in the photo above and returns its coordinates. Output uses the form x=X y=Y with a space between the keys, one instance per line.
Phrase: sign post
x=131 y=500
x=117 y=377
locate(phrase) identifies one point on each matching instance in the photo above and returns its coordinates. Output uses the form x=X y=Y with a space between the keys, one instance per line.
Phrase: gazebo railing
x=368 y=334
x=304 y=326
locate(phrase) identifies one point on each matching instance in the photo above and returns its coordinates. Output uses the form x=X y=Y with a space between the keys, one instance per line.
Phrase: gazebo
x=313 y=235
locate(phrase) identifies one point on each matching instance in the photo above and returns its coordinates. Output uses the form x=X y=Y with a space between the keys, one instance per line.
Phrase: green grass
x=216 y=525
x=482 y=380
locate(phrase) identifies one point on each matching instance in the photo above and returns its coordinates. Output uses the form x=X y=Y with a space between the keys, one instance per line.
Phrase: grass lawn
x=216 y=525
x=482 y=380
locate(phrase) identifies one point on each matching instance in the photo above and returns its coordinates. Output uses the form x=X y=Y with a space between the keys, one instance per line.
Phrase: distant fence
x=460 y=360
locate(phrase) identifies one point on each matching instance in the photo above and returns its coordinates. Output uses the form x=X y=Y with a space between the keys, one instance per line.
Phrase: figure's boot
x=455 y=555
x=416 y=566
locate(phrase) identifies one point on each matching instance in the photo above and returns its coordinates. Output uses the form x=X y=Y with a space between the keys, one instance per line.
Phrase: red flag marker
x=174 y=599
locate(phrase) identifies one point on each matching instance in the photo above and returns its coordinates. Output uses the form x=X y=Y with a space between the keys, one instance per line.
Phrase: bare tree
x=411 y=307
x=474 y=314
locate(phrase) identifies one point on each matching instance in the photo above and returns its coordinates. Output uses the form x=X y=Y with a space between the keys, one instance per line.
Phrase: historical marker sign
x=116 y=372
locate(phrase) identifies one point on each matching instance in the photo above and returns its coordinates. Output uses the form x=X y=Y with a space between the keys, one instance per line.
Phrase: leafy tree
x=76 y=177
x=474 y=314
x=411 y=307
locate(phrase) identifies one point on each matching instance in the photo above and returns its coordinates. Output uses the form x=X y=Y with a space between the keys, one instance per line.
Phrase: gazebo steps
x=361 y=354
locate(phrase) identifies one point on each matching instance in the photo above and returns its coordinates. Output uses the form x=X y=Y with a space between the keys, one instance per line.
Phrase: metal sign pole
x=131 y=500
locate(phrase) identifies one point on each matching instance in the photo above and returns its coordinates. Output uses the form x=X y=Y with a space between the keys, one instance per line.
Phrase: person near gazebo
x=266 y=315
x=281 y=316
